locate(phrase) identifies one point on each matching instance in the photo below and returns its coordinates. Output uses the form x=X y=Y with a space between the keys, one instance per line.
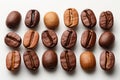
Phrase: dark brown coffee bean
x=13 y=60
x=31 y=60
x=13 y=19
x=106 y=20
x=88 y=18
x=87 y=61
x=49 y=38
x=106 y=39
x=88 y=39
x=68 y=39
x=31 y=39
x=32 y=18
x=71 y=17
x=107 y=60
x=49 y=59
x=12 y=39
x=68 y=60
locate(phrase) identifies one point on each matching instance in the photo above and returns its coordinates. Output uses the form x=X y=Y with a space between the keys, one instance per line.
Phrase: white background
x=59 y=6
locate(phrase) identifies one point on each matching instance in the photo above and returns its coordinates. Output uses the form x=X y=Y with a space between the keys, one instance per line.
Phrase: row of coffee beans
x=71 y=19
x=67 y=60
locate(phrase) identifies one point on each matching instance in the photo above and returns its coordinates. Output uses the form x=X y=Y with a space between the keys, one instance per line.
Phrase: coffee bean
x=12 y=40
x=88 y=39
x=106 y=20
x=13 y=19
x=68 y=60
x=87 y=61
x=68 y=39
x=71 y=17
x=32 y=18
x=31 y=39
x=31 y=60
x=88 y=18
x=107 y=60
x=49 y=38
x=49 y=59
x=51 y=20
x=106 y=39
x=13 y=60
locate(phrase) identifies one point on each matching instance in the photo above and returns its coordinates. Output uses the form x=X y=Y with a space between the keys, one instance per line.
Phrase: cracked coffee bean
x=88 y=18
x=107 y=60
x=106 y=39
x=13 y=19
x=68 y=39
x=88 y=39
x=49 y=38
x=68 y=60
x=12 y=40
x=71 y=18
x=31 y=39
x=106 y=20
x=31 y=60
x=32 y=18
x=49 y=59
x=13 y=60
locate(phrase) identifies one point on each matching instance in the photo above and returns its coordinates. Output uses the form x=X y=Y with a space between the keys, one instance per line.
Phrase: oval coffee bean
x=87 y=61
x=68 y=39
x=88 y=39
x=107 y=60
x=71 y=17
x=13 y=19
x=106 y=39
x=88 y=18
x=13 y=60
x=31 y=39
x=49 y=59
x=49 y=38
x=12 y=39
x=68 y=60
x=31 y=60
x=32 y=18
x=106 y=20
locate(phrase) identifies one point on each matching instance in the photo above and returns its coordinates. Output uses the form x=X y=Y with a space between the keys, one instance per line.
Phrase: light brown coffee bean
x=31 y=39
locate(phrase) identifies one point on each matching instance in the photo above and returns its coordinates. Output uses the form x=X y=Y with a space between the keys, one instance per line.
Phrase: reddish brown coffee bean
x=88 y=18
x=106 y=20
x=49 y=38
x=71 y=17
x=31 y=60
x=88 y=39
x=13 y=60
x=31 y=39
x=12 y=40
x=13 y=19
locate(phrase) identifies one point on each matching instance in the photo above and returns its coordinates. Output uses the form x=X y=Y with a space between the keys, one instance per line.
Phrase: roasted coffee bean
x=31 y=60
x=106 y=20
x=88 y=39
x=49 y=59
x=13 y=60
x=32 y=18
x=31 y=39
x=106 y=39
x=51 y=20
x=88 y=18
x=107 y=60
x=12 y=40
x=87 y=61
x=13 y=19
x=49 y=38
x=71 y=17
x=68 y=60
x=68 y=39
